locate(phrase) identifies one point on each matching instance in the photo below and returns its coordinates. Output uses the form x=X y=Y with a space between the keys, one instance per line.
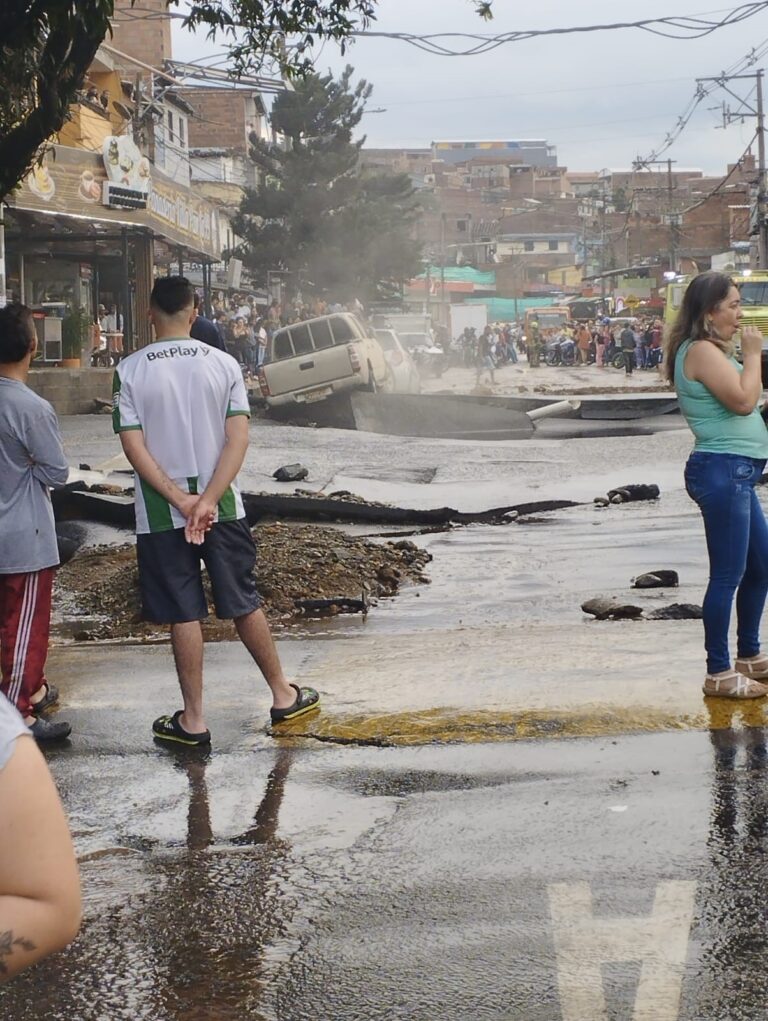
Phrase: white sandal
x=733 y=685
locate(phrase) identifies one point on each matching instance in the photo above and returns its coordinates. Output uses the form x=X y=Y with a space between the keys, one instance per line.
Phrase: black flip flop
x=307 y=700
x=168 y=728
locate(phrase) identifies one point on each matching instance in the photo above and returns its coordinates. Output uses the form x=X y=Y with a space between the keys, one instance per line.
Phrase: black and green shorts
x=170 y=575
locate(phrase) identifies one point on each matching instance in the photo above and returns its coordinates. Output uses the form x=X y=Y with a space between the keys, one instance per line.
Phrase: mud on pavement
x=97 y=593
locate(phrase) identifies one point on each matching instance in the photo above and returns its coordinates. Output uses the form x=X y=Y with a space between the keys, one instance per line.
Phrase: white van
x=309 y=361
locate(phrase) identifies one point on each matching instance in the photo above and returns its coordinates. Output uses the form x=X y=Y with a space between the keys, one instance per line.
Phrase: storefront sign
x=125 y=164
x=184 y=213
x=69 y=183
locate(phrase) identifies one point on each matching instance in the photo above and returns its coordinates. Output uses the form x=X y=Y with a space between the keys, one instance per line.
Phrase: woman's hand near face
x=751 y=342
x=738 y=391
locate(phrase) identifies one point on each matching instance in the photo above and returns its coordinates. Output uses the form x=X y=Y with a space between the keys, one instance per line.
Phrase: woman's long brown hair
x=702 y=295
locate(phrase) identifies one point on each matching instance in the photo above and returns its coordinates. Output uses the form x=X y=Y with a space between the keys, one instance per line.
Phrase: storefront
x=87 y=229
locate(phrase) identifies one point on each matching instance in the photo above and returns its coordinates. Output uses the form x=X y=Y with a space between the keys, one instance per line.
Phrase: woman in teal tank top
x=719 y=400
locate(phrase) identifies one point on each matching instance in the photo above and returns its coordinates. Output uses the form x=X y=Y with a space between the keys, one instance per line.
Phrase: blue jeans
x=737 y=542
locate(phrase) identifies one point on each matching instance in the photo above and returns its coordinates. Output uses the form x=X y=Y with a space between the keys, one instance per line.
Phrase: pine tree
x=336 y=229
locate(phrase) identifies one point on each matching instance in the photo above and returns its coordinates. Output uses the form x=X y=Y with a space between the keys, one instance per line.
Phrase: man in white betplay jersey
x=181 y=410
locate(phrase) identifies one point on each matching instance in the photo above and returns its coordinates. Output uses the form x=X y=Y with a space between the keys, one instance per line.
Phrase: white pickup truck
x=309 y=361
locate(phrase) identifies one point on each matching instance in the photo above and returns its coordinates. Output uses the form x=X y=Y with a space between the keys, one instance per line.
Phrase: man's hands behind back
x=200 y=514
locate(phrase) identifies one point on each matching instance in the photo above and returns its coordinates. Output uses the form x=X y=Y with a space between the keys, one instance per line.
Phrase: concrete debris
x=330 y=607
x=633 y=492
x=291 y=473
x=657 y=579
x=677 y=611
x=78 y=501
x=105 y=489
x=611 y=608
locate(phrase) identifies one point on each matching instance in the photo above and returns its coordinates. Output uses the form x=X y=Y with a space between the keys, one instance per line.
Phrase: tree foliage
x=45 y=49
x=47 y=46
x=335 y=229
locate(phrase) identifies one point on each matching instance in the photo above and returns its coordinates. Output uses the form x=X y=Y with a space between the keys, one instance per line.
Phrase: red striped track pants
x=25 y=621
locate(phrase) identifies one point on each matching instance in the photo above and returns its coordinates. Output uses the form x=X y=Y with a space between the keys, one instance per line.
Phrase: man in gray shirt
x=31 y=460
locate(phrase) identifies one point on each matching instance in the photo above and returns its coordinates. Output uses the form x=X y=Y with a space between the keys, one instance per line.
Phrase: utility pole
x=762 y=220
x=672 y=219
x=443 y=315
x=746 y=109
x=602 y=248
x=671 y=216
x=428 y=292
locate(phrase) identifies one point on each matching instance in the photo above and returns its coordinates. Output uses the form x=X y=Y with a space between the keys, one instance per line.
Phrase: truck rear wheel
x=371 y=387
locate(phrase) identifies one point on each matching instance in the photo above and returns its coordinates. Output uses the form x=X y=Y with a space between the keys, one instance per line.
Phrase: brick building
x=416 y=162
x=143 y=31
x=225 y=118
x=487 y=205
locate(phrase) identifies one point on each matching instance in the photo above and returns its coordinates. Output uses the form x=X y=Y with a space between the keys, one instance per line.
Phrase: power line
x=725 y=180
x=701 y=93
x=671 y=27
x=674 y=27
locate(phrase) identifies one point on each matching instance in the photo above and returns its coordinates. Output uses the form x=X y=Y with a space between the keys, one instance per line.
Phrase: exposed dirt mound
x=99 y=587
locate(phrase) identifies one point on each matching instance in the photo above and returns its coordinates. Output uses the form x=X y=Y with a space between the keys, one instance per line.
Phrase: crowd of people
x=629 y=344
x=623 y=343
x=494 y=346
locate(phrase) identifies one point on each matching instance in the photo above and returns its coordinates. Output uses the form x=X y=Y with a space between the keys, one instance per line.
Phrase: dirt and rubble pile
x=100 y=586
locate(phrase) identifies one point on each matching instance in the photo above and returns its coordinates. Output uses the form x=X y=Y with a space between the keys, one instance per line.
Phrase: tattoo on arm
x=7 y=945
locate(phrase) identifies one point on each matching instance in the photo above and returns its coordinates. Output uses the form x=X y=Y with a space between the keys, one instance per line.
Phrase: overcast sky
x=601 y=98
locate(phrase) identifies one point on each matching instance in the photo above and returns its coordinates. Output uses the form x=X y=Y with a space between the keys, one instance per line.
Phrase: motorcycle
x=560 y=352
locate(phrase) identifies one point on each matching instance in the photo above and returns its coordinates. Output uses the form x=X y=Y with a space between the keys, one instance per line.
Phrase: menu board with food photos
x=125 y=164
x=70 y=182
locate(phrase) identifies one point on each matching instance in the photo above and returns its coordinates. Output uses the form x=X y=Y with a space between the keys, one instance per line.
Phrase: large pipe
x=551 y=410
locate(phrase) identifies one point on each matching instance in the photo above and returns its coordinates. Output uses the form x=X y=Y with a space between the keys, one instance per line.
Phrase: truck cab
x=312 y=360
x=551 y=319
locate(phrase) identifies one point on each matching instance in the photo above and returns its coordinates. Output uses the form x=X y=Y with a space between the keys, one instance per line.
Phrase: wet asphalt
x=504 y=811
x=438 y=882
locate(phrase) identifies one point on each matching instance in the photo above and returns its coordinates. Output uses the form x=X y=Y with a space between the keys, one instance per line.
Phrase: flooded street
x=376 y=691
x=463 y=831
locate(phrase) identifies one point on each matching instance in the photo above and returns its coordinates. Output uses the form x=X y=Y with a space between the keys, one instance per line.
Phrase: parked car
x=429 y=358
x=309 y=361
x=405 y=375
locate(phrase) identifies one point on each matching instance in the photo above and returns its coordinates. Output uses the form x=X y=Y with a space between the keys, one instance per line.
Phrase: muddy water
x=542 y=568
x=538 y=570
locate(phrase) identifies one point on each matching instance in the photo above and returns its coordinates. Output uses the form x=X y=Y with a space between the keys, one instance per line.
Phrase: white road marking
x=583 y=943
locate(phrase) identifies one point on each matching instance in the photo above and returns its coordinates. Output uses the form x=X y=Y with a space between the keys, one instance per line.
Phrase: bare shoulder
x=702 y=353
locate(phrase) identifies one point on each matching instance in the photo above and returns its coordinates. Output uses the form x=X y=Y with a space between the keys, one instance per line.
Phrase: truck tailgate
x=306 y=371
